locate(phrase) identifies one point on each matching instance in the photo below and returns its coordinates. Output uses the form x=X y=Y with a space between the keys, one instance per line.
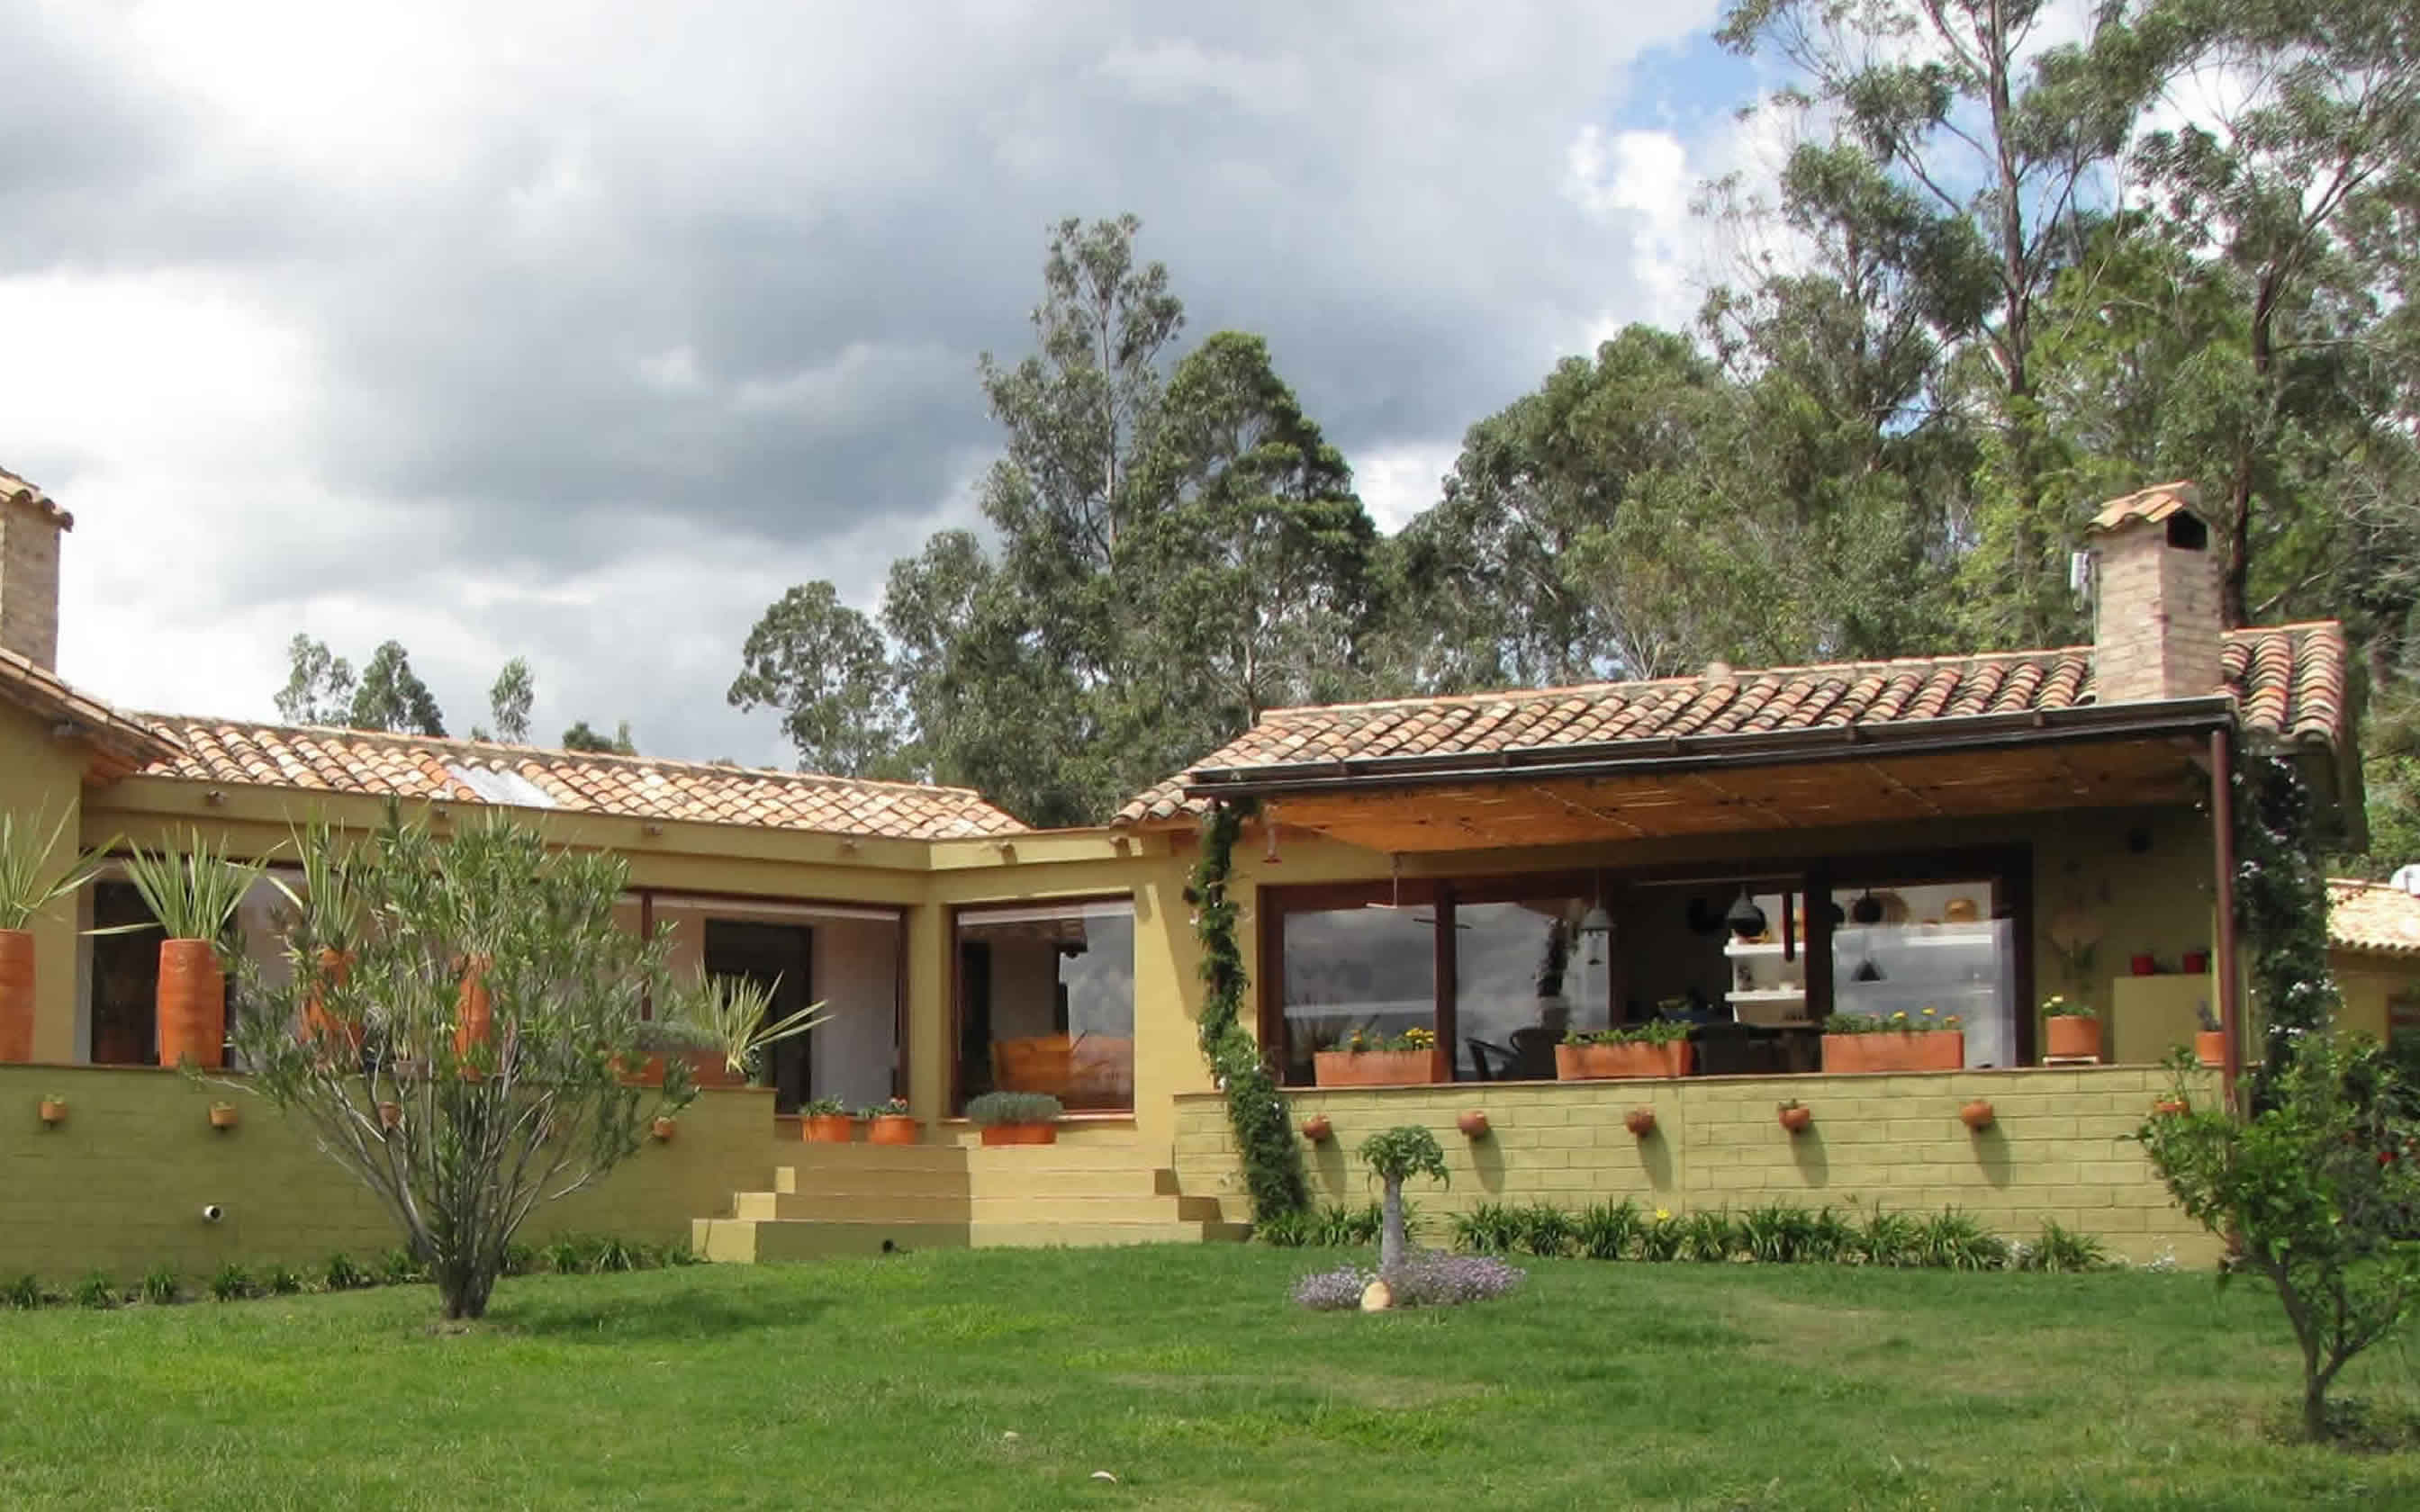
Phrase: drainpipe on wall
x=2222 y=821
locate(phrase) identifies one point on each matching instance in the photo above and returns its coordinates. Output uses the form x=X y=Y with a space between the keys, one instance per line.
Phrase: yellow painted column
x=929 y=979
x=41 y=783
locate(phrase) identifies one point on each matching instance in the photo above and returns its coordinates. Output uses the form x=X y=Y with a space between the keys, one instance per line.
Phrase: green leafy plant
x=2063 y=1250
x=281 y=1281
x=341 y=1272
x=1365 y=1039
x=22 y=1292
x=1393 y=1155
x=736 y=1014
x=1259 y=1118
x=1655 y=1031
x=1953 y=1241
x=30 y=880
x=893 y=1108
x=825 y=1107
x=231 y=1283
x=2317 y=1189
x=1890 y=1239
x=1924 y=1021
x=613 y=1255
x=1547 y=1230
x=98 y=1290
x=397 y=1268
x=659 y=1035
x=1337 y=1226
x=1709 y=1237
x=2057 y=1006
x=1607 y=1230
x=566 y=1255
x=1488 y=1229
x=160 y=1286
x=1659 y=1238
x=193 y=891
x=1013 y=1107
x=1284 y=1230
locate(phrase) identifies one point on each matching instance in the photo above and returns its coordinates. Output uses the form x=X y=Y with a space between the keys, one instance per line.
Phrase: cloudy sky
x=581 y=333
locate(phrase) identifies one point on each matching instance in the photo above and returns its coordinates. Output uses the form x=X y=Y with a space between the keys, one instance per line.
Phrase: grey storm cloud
x=707 y=284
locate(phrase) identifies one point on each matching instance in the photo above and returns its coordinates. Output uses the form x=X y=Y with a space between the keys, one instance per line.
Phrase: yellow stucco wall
x=120 y=1184
x=2366 y=981
x=41 y=781
x=2056 y=1150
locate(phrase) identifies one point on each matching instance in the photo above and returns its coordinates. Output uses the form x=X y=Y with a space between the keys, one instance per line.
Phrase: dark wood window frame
x=954 y=1086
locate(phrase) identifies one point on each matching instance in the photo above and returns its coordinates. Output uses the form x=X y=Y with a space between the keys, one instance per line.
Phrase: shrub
x=1489 y=1229
x=1659 y=1237
x=1393 y=1155
x=1606 y=1230
x=1013 y=1107
x=159 y=1286
x=1545 y=1231
x=1709 y=1237
x=1775 y=1235
x=1329 y=1291
x=282 y=1281
x=519 y=1259
x=677 y=1254
x=341 y=1274
x=97 y=1290
x=397 y=1268
x=567 y=1255
x=674 y=1033
x=2060 y=1249
x=1283 y=1231
x=22 y=1292
x=1890 y=1239
x=2319 y=1189
x=612 y=1254
x=1955 y=1242
x=232 y=1283
x=1427 y=1278
x=1337 y=1226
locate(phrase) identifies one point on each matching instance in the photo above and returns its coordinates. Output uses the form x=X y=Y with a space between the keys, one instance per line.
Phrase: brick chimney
x=30 y=527
x=2155 y=619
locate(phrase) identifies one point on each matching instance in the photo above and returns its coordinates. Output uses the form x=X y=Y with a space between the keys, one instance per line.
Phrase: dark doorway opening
x=782 y=957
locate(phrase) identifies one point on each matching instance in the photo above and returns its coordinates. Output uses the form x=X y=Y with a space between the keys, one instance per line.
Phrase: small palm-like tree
x=1393 y=1155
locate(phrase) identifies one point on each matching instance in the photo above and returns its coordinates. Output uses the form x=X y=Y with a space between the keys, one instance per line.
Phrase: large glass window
x=1525 y=974
x=1045 y=1002
x=1368 y=966
x=1944 y=945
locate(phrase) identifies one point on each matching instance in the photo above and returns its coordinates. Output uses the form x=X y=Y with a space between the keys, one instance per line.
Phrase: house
x=1743 y=851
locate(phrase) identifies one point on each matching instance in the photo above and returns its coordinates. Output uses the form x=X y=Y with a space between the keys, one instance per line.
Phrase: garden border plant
x=1272 y=1161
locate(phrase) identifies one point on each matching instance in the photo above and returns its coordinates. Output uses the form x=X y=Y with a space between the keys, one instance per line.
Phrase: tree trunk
x=2315 y=1407
x=1392 y=1242
x=462 y=1286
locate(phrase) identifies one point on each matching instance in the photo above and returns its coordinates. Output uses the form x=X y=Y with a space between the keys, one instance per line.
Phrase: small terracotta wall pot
x=1317 y=1129
x=223 y=1116
x=827 y=1129
x=1977 y=1115
x=664 y=1127
x=2210 y=1047
x=1639 y=1121
x=51 y=1112
x=2167 y=1107
x=16 y=996
x=390 y=1114
x=1796 y=1119
x=192 y=1004
x=891 y=1128
x=2072 y=1035
x=1473 y=1123
x=1020 y=1133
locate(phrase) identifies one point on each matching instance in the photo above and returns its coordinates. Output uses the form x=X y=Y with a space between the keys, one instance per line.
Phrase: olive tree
x=455 y=1025
x=1393 y=1155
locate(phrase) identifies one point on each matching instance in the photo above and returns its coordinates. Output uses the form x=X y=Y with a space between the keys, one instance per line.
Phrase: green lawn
x=1003 y=1379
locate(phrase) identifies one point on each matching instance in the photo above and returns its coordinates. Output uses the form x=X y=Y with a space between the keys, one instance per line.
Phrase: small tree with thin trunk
x=454 y=1025
x=2319 y=1192
x=1393 y=1155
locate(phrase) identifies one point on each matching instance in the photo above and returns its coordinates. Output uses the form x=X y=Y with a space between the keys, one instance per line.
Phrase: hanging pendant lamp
x=1746 y=919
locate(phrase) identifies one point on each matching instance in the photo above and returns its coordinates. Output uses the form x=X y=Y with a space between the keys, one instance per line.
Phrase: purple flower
x=1426 y=1278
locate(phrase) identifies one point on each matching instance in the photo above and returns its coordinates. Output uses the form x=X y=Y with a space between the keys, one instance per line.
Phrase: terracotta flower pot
x=891 y=1128
x=2210 y=1047
x=827 y=1129
x=1977 y=1115
x=51 y=1111
x=192 y=1004
x=2072 y=1035
x=664 y=1127
x=472 y=1009
x=1608 y=1062
x=1796 y=1119
x=1380 y=1068
x=1473 y=1123
x=1639 y=1121
x=390 y=1114
x=1020 y=1133
x=1317 y=1129
x=706 y=1068
x=16 y=996
x=223 y=1116
x=334 y=1034
x=2167 y=1107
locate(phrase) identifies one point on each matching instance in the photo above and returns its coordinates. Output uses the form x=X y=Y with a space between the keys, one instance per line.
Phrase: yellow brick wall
x=119 y=1186
x=2056 y=1150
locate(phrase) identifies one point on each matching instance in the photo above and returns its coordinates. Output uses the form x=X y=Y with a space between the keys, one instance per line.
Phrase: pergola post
x=2221 y=823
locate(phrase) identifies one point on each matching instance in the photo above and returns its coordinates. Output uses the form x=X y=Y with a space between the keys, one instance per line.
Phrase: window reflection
x=1525 y=974
x=1047 y=1003
x=1938 y=945
x=1346 y=968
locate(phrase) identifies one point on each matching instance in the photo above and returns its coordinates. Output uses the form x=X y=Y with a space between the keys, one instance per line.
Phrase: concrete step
x=960 y=1208
x=745 y=1242
x=853 y=1179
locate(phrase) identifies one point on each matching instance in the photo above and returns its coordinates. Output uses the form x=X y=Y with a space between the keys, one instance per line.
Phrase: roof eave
x=1674 y=753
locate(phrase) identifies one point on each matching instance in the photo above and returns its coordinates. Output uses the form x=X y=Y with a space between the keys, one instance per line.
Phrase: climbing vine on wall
x=2281 y=901
x=1273 y=1172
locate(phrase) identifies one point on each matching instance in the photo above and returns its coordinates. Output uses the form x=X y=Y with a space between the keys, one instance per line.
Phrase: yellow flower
x=1662 y=1216
x=1899 y=1017
x=1928 y=1012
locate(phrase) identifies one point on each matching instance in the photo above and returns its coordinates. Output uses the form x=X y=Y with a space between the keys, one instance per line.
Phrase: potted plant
x=223 y=1116
x=52 y=1110
x=1639 y=1121
x=1977 y=1115
x=1317 y=1129
x=192 y=895
x=888 y=1124
x=1795 y=1116
x=29 y=884
x=1658 y=1047
x=2209 y=1041
x=1016 y=1117
x=697 y=1045
x=826 y=1121
x=1368 y=1059
x=736 y=1013
x=2072 y=1031
x=1927 y=1040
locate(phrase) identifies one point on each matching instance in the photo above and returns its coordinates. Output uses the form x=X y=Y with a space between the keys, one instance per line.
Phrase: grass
x=1004 y=1378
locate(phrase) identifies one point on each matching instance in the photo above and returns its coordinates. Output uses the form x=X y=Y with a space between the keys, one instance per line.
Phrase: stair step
x=1005 y=1180
x=959 y=1208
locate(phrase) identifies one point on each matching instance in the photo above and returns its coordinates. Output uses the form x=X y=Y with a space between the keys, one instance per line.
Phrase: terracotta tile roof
x=119 y=742
x=16 y=490
x=2153 y=505
x=2289 y=682
x=312 y=760
x=2373 y=917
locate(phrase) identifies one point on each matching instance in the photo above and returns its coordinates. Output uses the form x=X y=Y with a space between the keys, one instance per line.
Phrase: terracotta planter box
x=1929 y=1050
x=1381 y=1067
x=827 y=1129
x=1608 y=1062
x=16 y=996
x=2072 y=1036
x=891 y=1128
x=1020 y=1133
x=2210 y=1047
x=706 y=1068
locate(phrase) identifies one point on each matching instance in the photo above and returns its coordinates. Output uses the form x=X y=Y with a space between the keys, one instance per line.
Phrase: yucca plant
x=192 y=893
x=735 y=1013
x=30 y=881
